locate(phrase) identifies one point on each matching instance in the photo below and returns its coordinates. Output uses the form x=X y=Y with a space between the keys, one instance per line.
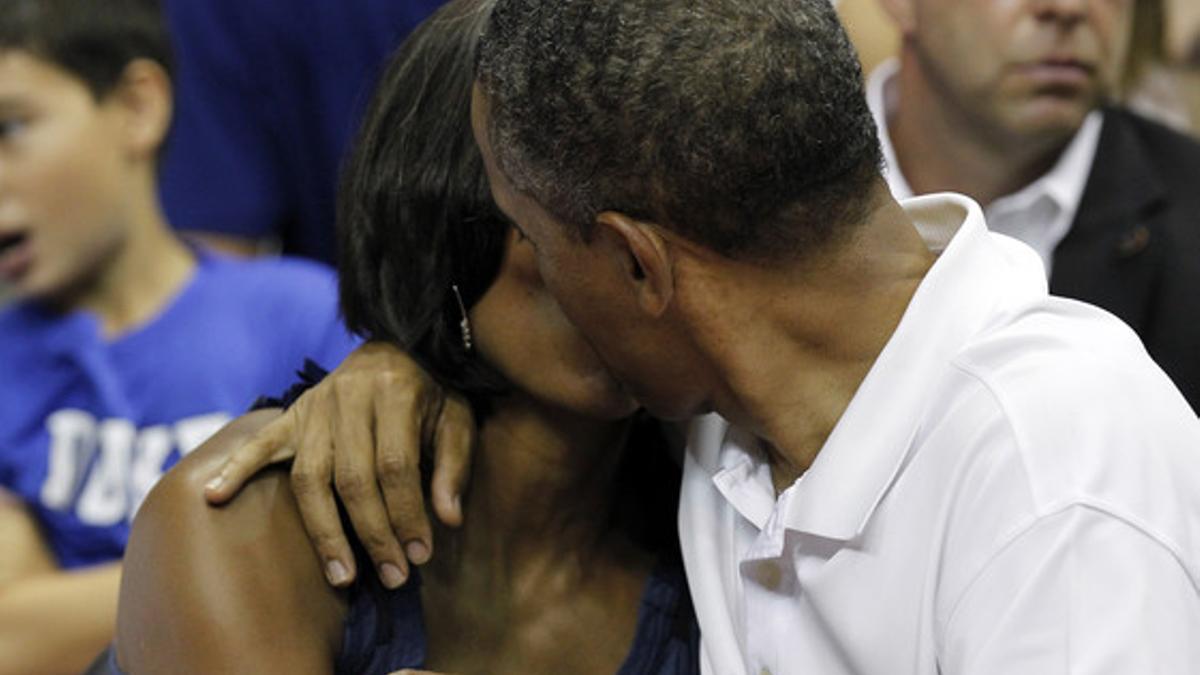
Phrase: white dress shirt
x=1014 y=489
x=1039 y=214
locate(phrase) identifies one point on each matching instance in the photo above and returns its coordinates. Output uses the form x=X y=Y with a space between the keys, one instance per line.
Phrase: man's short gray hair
x=740 y=124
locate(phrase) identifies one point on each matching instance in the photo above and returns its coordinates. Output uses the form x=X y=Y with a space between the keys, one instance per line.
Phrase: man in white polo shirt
x=1012 y=104
x=934 y=467
x=921 y=463
x=989 y=502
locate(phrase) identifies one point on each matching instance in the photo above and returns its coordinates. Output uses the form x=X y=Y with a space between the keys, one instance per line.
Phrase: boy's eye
x=12 y=127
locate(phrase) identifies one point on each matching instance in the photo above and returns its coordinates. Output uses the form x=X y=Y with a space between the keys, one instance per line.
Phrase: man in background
x=1009 y=102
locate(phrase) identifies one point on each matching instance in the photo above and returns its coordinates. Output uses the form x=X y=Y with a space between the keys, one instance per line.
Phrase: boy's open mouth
x=8 y=241
x=15 y=255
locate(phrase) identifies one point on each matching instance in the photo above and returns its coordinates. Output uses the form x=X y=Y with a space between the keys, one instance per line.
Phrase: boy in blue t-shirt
x=125 y=348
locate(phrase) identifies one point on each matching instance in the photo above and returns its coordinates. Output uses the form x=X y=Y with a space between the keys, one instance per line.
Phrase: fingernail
x=337 y=572
x=417 y=551
x=391 y=575
x=215 y=484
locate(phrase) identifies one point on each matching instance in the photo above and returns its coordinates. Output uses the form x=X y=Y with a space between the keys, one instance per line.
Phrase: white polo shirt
x=1014 y=489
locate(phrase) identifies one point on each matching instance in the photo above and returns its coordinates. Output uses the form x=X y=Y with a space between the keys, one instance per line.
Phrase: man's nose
x=1063 y=11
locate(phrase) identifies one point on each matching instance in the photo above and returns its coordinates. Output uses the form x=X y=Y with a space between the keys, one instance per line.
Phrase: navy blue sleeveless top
x=384 y=630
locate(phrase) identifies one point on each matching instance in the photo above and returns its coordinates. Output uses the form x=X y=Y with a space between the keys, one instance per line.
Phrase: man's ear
x=902 y=13
x=144 y=99
x=646 y=258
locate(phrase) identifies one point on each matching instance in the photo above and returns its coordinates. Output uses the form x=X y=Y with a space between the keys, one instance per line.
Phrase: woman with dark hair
x=568 y=560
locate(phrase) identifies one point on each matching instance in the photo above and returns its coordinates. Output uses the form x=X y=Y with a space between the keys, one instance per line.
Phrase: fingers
x=453 y=444
x=358 y=486
x=362 y=430
x=312 y=476
x=400 y=415
x=371 y=524
x=271 y=444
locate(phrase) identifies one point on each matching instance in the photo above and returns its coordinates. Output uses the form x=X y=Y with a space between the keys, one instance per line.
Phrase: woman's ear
x=645 y=257
x=144 y=100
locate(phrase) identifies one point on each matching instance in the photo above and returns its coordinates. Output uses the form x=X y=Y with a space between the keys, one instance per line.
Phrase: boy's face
x=63 y=178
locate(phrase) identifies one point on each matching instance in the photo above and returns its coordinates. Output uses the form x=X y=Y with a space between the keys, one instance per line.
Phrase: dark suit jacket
x=1134 y=248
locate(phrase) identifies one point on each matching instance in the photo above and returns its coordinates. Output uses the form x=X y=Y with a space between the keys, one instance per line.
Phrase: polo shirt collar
x=881 y=99
x=874 y=437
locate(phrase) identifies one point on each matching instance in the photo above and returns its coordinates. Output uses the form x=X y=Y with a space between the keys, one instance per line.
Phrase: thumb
x=270 y=445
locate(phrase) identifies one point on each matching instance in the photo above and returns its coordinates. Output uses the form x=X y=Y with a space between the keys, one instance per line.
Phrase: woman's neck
x=537 y=557
x=539 y=504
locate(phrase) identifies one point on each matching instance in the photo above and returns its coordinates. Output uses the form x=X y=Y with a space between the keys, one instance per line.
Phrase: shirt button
x=771 y=576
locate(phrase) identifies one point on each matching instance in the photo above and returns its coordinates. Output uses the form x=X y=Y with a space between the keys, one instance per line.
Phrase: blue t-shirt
x=88 y=425
x=269 y=94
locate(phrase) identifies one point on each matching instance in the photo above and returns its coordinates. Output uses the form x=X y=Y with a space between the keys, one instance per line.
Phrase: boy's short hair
x=92 y=39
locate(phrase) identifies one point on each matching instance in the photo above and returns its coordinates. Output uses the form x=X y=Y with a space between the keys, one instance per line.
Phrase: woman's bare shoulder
x=228 y=588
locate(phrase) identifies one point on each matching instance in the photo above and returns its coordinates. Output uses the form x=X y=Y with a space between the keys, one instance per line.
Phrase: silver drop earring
x=465 y=324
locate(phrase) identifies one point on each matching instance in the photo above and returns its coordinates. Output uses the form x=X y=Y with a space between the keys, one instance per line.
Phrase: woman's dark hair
x=92 y=39
x=415 y=215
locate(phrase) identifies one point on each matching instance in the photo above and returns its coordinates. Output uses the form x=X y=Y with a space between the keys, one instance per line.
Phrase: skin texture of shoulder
x=230 y=589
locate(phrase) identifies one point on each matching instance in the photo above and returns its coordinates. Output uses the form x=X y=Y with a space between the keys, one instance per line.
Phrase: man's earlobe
x=646 y=257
